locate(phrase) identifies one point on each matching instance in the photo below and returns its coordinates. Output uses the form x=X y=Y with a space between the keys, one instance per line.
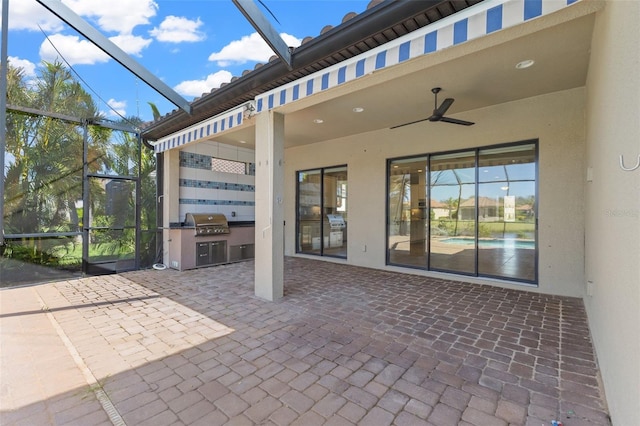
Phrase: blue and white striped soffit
x=476 y=21
x=209 y=127
x=471 y=23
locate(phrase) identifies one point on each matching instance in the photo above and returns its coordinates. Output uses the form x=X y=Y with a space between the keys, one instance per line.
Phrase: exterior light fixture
x=358 y=109
x=525 y=64
x=318 y=121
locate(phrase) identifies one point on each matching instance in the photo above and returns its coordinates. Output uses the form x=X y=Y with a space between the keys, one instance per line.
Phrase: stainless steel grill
x=207 y=223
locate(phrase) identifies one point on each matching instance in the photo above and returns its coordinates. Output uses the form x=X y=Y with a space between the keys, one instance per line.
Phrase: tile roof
x=383 y=21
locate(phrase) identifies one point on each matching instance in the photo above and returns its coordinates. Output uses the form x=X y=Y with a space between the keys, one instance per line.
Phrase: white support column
x=269 y=209
x=170 y=198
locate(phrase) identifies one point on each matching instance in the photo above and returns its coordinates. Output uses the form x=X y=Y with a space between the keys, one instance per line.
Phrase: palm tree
x=44 y=170
x=452 y=205
x=155 y=111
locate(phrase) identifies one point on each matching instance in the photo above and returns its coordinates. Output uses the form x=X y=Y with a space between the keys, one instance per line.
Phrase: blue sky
x=192 y=45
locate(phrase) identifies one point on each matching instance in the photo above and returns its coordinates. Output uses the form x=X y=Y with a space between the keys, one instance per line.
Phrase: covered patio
x=345 y=345
x=363 y=340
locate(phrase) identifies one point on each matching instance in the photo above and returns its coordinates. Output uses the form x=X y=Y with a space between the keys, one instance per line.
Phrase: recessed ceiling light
x=358 y=109
x=318 y=121
x=525 y=64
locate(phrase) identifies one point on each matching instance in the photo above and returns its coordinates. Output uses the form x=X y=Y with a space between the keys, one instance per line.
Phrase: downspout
x=146 y=143
x=138 y=201
x=3 y=107
x=86 y=205
x=157 y=260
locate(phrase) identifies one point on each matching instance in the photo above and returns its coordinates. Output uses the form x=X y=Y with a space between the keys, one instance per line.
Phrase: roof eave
x=265 y=77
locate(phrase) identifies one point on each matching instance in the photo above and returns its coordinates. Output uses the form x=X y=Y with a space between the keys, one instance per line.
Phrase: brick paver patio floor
x=346 y=345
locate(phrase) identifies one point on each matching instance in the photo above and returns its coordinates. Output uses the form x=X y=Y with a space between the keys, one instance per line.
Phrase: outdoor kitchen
x=208 y=239
x=216 y=207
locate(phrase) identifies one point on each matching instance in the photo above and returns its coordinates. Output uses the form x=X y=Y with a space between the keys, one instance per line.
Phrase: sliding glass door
x=309 y=212
x=408 y=212
x=468 y=212
x=506 y=214
x=452 y=240
x=322 y=212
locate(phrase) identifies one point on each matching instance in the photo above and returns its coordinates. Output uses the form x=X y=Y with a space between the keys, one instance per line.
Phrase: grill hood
x=207 y=223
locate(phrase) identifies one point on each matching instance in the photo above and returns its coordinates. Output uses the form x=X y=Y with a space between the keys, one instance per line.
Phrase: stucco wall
x=557 y=120
x=613 y=205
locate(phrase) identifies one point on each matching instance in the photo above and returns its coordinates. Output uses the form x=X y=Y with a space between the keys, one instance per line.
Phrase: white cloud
x=250 y=48
x=79 y=51
x=175 y=29
x=120 y=16
x=120 y=108
x=74 y=50
x=29 y=14
x=133 y=45
x=28 y=67
x=198 y=87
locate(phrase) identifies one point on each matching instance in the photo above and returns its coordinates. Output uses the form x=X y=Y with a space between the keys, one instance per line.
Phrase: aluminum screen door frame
x=3 y=108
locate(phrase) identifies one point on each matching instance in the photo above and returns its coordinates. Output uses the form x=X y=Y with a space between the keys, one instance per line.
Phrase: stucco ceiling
x=478 y=74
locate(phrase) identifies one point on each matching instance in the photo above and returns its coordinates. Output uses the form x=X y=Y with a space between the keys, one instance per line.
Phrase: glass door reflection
x=407 y=212
x=506 y=216
x=334 y=219
x=453 y=213
x=309 y=212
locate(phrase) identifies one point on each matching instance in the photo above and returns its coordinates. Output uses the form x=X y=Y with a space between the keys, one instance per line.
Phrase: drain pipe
x=158 y=265
x=3 y=108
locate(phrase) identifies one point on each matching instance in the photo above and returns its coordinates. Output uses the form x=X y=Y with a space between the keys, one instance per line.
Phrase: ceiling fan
x=438 y=112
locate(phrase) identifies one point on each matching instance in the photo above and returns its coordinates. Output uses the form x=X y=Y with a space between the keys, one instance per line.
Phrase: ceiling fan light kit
x=439 y=111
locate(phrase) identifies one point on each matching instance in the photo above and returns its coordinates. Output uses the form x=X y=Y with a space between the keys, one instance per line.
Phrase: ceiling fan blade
x=438 y=112
x=444 y=106
x=411 y=122
x=456 y=121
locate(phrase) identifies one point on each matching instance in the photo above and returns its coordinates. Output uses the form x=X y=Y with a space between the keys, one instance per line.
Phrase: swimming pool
x=491 y=242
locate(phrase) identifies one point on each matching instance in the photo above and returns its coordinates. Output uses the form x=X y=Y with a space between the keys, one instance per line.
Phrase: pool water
x=508 y=243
